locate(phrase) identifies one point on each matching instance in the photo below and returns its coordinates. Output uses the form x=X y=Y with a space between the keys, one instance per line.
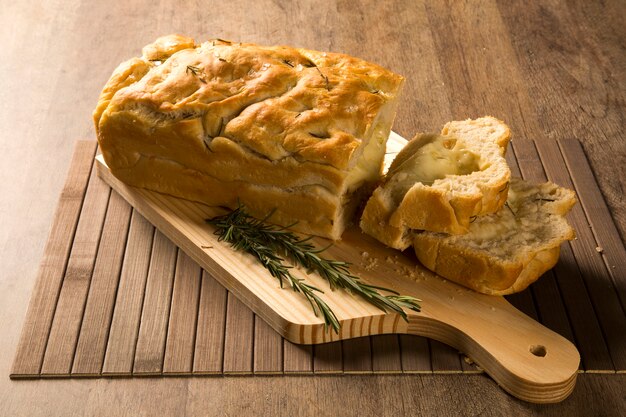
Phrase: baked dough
x=296 y=132
x=504 y=252
x=441 y=182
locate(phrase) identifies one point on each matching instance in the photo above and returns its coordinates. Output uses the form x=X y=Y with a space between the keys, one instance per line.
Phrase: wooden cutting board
x=528 y=360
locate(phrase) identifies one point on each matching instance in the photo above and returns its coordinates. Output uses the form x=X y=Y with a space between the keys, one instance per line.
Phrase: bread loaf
x=503 y=252
x=296 y=132
x=441 y=182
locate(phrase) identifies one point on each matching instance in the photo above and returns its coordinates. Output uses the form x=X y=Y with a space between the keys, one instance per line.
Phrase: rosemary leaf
x=270 y=245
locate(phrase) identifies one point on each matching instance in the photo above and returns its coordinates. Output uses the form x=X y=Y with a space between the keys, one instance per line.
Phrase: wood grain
x=415 y=354
x=120 y=352
x=268 y=349
x=298 y=359
x=507 y=356
x=94 y=329
x=209 y=349
x=568 y=56
x=68 y=314
x=386 y=354
x=602 y=225
x=150 y=348
x=597 y=278
x=572 y=61
x=357 y=354
x=32 y=345
x=238 y=349
x=328 y=358
x=181 y=331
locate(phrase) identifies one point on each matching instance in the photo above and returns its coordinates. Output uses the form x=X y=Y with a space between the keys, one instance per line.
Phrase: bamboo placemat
x=114 y=297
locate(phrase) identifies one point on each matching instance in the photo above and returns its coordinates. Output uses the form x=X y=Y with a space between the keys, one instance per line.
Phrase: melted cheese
x=439 y=157
x=368 y=166
x=495 y=227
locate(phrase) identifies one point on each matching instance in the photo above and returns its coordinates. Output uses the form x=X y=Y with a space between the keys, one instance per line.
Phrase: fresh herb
x=158 y=61
x=324 y=77
x=193 y=70
x=545 y=199
x=506 y=203
x=207 y=142
x=271 y=245
x=288 y=63
x=196 y=72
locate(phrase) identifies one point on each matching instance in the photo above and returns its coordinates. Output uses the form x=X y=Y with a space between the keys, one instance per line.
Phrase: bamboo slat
x=96 y=320
x=150 y=348
x=120 y=352
x=268 y=349
x=386 y=357
x=80 y=265
x=130 y=303
x=181 y=331
x=238 y=343
x=41 y=309
x=298 y=359
x=415 y=354
x=209 y=349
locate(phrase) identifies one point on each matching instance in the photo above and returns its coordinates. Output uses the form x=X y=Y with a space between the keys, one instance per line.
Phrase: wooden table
x=551 y=70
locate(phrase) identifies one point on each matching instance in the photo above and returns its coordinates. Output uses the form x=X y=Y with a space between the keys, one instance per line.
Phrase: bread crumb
x=468 y=360
x=365 y=254
x=371 y=263
x=599 y=249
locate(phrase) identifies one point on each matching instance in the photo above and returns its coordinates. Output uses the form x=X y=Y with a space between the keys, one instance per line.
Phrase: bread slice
x=504 y=252
x=293 y=132
x=441 y=182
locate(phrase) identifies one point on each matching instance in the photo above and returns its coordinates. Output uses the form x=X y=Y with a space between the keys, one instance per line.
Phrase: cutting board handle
x=525 y=358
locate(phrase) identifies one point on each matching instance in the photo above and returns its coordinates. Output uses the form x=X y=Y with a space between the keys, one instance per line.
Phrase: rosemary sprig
x=267 y=243
x=242 y=232
x=193 y=70
x=506 y=204
x=196 y=72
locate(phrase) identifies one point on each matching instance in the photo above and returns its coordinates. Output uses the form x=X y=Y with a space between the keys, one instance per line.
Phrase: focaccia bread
x=504 y=252
x=296 y=132
x=441 y=182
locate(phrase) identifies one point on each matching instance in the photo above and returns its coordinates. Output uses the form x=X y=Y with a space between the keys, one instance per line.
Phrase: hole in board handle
x=538 y=350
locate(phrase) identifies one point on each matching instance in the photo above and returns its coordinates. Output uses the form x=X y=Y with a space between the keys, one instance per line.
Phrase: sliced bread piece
x=441 y=182
x=506 y=251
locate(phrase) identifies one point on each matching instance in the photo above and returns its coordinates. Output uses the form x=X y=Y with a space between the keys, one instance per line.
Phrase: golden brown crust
x=278 y=118
x=504 y=252
x=375 y=222
x=480 y=272
x=446 y=207
x=448 y=204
